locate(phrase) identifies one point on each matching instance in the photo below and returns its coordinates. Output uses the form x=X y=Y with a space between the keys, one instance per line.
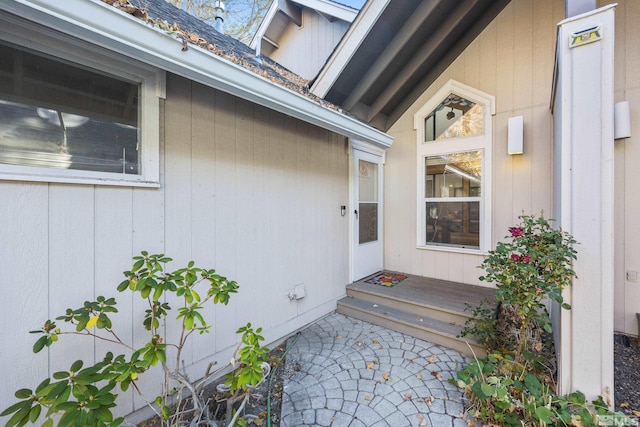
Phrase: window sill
x=451 y=249
x=103 y=179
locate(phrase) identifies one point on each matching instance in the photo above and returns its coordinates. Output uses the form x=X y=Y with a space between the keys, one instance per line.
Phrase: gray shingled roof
x=192 y=30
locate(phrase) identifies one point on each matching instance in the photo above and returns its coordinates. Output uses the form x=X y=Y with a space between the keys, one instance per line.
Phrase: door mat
x=386 y=278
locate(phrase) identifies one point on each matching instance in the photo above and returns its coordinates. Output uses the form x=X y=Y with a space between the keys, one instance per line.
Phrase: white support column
x=583 y=115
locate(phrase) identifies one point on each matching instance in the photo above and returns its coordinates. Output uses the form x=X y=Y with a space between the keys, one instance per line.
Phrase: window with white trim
x=75 y=115
x=454 y=165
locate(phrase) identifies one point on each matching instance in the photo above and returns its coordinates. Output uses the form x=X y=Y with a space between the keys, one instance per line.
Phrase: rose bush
x=533 y=265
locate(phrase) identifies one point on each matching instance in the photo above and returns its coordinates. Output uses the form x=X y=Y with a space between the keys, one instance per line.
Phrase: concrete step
x=412 y=323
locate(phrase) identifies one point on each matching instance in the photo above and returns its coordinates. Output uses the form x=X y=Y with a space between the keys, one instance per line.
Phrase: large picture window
x=57 y=115
x=454 y=141
x=453 y=188
x=73 y=115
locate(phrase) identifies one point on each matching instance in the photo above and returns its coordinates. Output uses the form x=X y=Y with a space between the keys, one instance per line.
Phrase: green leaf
x=40 y=343
x=15 y=407
x=188 y=322
x=21 y=417
x=76 y=366
x=157 y=293
x=56 y=390
x=68 y=418
x=23 y=393
x=487 y=389
x=34 y=414
x=166 y=412
x=544 y=414
x=137 y=265
x=476 y=388
x=62 y=397
x=145 y=292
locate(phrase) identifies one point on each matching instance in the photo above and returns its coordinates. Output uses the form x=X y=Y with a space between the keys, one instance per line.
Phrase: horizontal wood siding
x=245 y=190
x=511 y=59
x=627 y=175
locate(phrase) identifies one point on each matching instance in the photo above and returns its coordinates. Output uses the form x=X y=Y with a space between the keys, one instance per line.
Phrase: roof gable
x=283 y=12
x=395 y=50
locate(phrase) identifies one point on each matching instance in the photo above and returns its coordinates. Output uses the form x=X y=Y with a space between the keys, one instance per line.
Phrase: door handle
x=356 y=212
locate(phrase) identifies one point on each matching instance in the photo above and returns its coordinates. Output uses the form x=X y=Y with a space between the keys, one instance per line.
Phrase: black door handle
x=356 y=212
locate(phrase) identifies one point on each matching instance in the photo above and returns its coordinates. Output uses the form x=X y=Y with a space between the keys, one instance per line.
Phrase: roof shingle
x=191 y=30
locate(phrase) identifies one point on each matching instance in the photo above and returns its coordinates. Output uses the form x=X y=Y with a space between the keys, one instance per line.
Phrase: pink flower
x=525 y=258
x=515 y=257
x=516 y=232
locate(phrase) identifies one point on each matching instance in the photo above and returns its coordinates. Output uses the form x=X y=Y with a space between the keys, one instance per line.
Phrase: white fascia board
x=344 y=13
x=264 y=25
x=353 y=38
x=105 y=26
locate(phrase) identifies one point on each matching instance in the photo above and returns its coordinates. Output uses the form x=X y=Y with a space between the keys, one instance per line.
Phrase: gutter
x=105 y=26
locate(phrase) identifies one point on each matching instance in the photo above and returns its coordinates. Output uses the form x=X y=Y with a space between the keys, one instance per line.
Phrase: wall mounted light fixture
x=515 y=135
x=621 y=120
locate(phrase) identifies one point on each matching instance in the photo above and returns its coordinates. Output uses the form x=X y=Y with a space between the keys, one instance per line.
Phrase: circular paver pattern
x=344 y=372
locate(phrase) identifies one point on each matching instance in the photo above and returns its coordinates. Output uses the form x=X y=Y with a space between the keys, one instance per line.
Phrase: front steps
x=428 y=309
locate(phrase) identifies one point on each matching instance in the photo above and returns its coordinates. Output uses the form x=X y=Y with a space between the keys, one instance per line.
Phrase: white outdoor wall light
x=515 y=135
x=621 y=120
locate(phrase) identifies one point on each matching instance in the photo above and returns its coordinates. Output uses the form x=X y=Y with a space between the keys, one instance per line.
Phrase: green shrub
x=84 y=396
x=515 y=385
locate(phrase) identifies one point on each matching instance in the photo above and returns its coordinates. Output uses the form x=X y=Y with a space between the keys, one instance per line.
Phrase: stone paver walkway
x=343 y=372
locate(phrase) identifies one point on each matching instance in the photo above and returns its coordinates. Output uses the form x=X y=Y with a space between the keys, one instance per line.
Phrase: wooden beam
x=291 y=11
x=417 y=19
x=271 y=42
x=435 y=42
x=452 y=53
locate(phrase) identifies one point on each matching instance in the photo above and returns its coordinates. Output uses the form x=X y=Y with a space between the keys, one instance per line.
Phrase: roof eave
x=350 y=42
x=330 y=8
x=103 y=25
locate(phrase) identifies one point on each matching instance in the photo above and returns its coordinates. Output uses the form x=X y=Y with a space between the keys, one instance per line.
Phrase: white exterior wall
x=250 y=192
x=304 y=50
x=511 y=59
x=627 y=174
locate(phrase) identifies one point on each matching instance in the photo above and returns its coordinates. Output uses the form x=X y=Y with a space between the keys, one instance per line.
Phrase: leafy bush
x=83 y=396
x=534 y=266
x=515 y=385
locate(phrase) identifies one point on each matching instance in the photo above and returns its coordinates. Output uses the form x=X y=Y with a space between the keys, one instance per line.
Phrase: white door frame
x=362 y=150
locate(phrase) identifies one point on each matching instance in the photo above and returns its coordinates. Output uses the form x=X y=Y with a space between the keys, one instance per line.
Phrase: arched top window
x=455 y=117
x=454 y=163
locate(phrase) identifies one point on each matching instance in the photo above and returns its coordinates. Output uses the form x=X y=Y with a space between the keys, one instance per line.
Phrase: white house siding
x=248 y=191
x=305 y=49
x=511 y=59
x=627 y=175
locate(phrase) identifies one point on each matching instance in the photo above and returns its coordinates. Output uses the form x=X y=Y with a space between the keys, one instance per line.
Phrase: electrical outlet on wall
x=632 y=276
